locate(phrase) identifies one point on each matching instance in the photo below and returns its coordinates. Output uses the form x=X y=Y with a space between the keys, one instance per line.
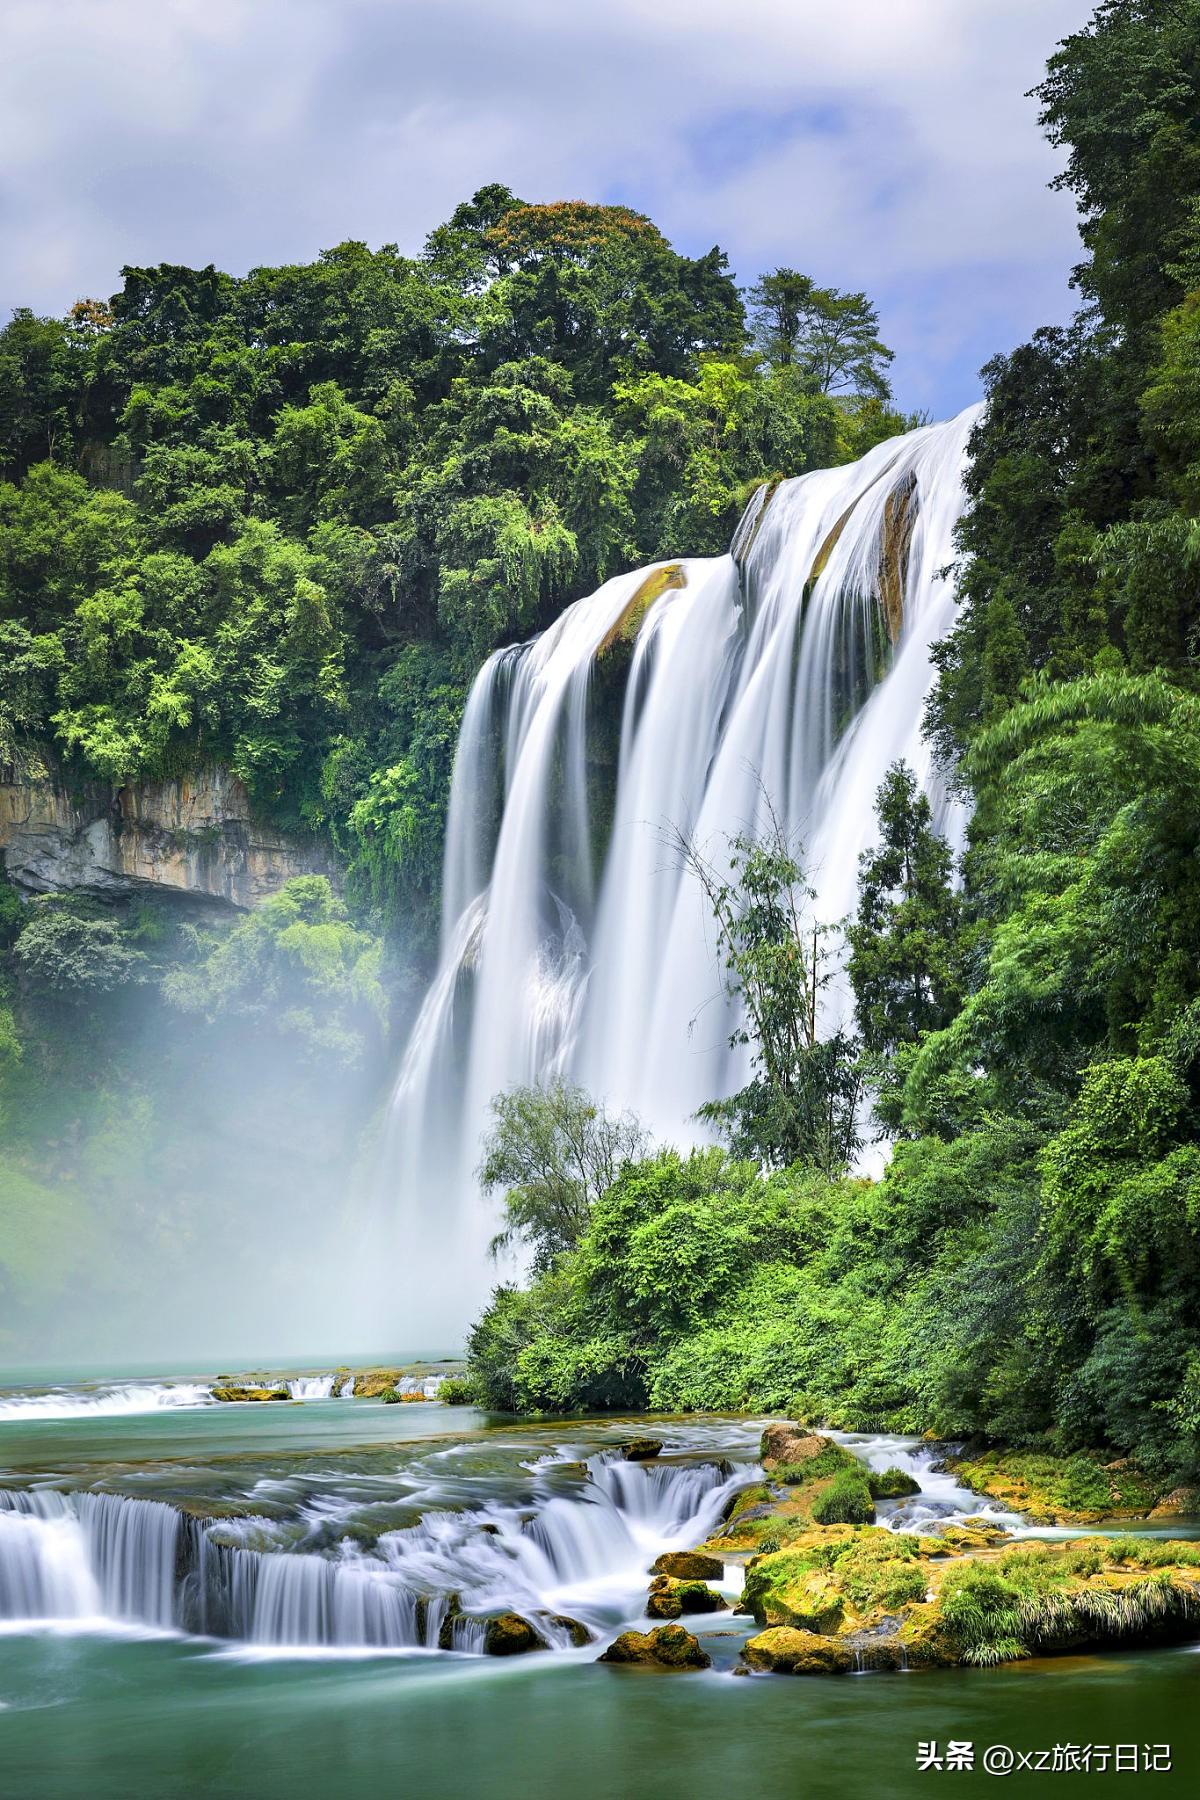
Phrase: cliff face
x=193 y=838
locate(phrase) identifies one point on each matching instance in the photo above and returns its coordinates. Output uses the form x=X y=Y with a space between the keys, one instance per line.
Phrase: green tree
x=802 y=1103
x=831 y=337
x=553 y=1152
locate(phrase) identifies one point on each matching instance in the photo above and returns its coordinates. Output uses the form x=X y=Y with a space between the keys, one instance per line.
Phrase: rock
x=892 y=1484
x=846 y=1501
x=688 y=1565
x=1181 y=1500
x=235 y=1393
x=194 y=837
x=789 y=1444
x=508 y=1634
x=782 y=1589
x=786 y=1651
x=641 y=1449
x=667 y=1647
x=579 y=1633
x=669 y=1599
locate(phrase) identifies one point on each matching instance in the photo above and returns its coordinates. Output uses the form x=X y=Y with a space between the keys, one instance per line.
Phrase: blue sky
x=881 y=144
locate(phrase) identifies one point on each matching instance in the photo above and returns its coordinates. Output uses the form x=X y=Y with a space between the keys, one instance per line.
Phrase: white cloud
x=880 y=143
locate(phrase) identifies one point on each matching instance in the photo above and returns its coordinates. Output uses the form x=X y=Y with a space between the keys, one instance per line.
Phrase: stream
x=288 y=1599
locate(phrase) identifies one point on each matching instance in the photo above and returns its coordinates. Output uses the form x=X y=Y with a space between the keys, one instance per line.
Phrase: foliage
x=831 y=338
x=802 y=1103
x=846 y=1501
x=554 y=1152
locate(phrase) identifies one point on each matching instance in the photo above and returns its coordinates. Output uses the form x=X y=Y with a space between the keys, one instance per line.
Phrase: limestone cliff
x=194 y=837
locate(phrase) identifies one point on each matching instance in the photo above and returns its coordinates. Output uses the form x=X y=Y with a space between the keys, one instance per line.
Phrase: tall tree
x=830 y=336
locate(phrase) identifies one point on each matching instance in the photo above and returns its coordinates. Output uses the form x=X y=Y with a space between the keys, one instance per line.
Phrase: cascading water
x=103 y=1560
x=788 y=674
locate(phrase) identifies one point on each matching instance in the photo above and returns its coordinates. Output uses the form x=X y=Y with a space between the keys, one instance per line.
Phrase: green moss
x=847 y=1501
x=892 y=1484
x=1087 y=1485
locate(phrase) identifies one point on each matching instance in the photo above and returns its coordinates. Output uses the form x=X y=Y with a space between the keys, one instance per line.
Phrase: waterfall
x=790 y=672
x=104 y=1560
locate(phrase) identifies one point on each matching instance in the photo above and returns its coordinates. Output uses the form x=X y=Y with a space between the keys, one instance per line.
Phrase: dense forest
x=273 y=525
x=276 y=523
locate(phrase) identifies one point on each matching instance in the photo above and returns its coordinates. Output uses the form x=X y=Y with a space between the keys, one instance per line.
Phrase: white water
x=756 y=681
x=942 y=1498
x=118 y=1401
x=127 y=1399
x=84 y=1560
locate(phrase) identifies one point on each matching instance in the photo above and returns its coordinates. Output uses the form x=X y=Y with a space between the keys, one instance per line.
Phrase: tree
x=553 y=1151
x=830 y=336
x=802 y=1104
x=904 y=956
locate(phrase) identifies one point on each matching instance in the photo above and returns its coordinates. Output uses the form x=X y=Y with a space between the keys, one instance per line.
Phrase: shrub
x=846 y=1501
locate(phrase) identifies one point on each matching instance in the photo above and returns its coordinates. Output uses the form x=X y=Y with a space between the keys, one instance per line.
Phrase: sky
x=885 y=145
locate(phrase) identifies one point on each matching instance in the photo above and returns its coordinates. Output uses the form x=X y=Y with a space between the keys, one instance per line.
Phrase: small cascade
x=105 y=1558
x=942 y=1498
x=311 y=1387
x=88 y=1556
x=687 y=697
x=58 y=1404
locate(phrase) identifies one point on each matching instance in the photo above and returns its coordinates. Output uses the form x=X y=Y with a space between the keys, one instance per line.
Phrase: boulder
x=892 y=1484
x=669 y=1599
x=508 y=1634
x=641 y=1449
x=790 y=1444
x=785 y=1651
x=666 y=1647
x=1181 y=1500
x=688 y=1565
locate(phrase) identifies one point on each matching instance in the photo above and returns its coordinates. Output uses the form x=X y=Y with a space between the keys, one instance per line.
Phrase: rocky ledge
x=195 y=838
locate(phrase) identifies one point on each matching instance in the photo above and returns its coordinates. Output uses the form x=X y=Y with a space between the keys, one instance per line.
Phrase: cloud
x=883 y=144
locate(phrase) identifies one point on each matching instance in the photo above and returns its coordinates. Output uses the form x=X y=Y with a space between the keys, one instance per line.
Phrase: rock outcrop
x=668 y=1647
x=194 y=837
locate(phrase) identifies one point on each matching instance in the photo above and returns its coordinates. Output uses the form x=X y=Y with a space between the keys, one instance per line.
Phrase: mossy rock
x=670 y=1599
x=236 y=1394
x=846 y=1501
x=688 y=1565
x=666 y=1647
x=508 y=1634
x=789 y=1446
x=642 y=1449
x=892 y=1484
x=783 y=1650
x=787 y=1589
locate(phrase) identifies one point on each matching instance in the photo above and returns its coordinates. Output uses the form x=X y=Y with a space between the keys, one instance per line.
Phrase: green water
x=91 y=1715
x=105 y=1720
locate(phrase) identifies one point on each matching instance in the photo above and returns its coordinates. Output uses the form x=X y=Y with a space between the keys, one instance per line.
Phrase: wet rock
x=508 y=1634
x=783 y=1650
x=1181 y=1500
x=669 y=1599
x=688 y=1565
x=579 y=1633
x=666 y=1647
x=641 y=1449
x=892 y=1484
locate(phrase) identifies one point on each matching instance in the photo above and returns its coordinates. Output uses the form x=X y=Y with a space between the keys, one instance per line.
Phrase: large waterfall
x=685 y=697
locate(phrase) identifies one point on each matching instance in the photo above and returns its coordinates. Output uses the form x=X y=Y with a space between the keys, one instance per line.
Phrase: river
x=200 y=1599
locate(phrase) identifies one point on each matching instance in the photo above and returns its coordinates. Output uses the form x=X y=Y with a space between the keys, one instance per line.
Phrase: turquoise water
x=99 y=1713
